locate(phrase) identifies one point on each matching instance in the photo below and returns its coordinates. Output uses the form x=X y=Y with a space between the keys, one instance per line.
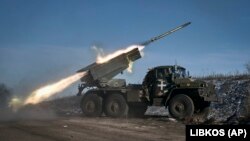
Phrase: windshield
x=180 y=73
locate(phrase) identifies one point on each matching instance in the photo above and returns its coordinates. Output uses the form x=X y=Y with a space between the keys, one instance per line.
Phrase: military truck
x=168 y=86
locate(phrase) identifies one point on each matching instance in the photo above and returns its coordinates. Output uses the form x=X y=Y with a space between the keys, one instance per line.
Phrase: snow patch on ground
x=157 y=111
x=234 y=95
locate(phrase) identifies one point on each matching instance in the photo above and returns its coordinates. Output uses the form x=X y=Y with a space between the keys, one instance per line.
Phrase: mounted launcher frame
x=101 y=74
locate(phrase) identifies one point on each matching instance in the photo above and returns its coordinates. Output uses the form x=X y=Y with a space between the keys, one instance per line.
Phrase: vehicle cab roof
x=166 y=67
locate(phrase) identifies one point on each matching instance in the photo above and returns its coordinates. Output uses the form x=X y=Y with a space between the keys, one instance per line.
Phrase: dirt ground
x=92 y=129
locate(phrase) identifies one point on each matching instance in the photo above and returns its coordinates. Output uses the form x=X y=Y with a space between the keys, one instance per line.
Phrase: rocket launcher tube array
x=97 y=73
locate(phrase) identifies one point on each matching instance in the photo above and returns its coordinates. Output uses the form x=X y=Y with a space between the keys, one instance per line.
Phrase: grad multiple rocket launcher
x=163 y=86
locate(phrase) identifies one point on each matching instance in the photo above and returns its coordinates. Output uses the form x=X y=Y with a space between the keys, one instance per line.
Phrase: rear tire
x=181 y=106
x=115 y=105
x=91 y=105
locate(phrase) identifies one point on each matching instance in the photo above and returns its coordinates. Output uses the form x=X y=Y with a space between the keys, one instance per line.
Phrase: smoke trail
x=52 y=89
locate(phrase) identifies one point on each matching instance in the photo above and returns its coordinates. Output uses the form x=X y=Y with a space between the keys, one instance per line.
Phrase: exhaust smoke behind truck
x=49 y=90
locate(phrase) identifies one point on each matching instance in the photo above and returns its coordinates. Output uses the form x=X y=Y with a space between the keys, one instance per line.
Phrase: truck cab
x=172 y=87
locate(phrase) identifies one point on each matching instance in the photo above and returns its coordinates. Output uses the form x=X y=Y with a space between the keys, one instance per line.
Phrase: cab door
x=160 y=83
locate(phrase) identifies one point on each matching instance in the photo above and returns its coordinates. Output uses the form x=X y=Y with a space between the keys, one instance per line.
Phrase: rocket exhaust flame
x=52 y=89
x=101 y=58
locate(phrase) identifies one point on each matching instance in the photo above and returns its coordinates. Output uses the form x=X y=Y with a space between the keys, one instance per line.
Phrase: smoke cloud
x=27 y=112
x=5 y=96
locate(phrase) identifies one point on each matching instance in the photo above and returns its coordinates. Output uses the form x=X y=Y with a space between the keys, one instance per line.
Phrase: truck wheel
x=91 y=105
x=115 y=105
x=181 y=106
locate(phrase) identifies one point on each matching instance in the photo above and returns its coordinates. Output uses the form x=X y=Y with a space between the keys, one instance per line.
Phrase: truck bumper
x=213 y=98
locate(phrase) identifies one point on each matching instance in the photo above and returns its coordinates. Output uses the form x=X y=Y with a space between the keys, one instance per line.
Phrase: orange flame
x=52 y=89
